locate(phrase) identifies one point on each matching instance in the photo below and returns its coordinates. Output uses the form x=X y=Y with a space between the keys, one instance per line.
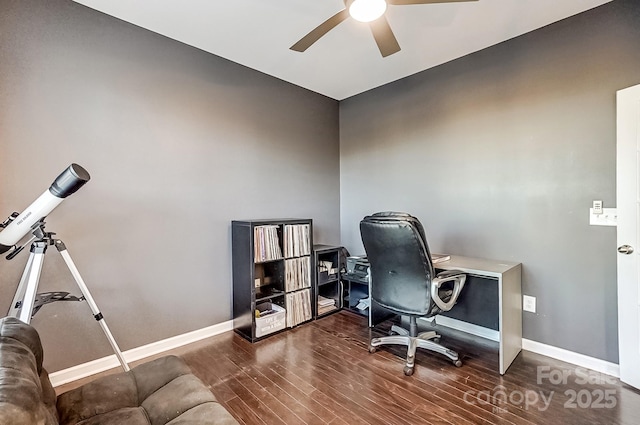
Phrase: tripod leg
x=28 y=288
x=22 y=287
x=60 y=246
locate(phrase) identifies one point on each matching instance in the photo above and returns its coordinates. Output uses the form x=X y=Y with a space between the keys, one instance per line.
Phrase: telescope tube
x=67 y=183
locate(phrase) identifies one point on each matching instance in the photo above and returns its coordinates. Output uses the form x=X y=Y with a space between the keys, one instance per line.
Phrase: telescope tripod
x=27 y=301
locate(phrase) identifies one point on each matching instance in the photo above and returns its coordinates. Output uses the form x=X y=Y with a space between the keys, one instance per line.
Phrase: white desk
x=508 y=275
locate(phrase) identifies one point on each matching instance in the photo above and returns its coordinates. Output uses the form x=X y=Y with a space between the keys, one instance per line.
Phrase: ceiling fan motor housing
x=366 y=10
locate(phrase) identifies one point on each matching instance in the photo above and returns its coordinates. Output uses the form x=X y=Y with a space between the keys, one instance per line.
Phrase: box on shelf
x=272 y=318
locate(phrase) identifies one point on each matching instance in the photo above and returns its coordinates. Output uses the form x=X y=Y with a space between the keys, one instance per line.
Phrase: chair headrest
x=398 y=216
x=392 y=214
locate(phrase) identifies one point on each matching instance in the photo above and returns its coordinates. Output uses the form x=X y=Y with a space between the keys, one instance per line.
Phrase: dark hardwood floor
x=322 y=373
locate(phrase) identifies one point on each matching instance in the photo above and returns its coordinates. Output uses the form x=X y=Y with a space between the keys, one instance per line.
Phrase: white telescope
x=27 y=301
x=18 y=225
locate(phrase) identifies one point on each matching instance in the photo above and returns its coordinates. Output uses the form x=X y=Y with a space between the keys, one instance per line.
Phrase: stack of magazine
x=325 y=305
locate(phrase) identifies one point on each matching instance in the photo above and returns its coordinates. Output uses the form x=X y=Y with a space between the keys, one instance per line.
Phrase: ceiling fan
x=371 y=11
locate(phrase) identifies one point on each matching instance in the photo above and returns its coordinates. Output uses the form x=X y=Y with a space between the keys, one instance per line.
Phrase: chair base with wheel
x=425 y=340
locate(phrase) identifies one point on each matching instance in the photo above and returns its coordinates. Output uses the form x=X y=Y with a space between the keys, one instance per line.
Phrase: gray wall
x=178 y=143
x=500 y=155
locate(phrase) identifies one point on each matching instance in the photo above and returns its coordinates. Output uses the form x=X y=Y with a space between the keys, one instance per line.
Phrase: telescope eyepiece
x=69 y=181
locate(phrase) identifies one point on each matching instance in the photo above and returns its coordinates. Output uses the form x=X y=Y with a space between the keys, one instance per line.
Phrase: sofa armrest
x=26 y=394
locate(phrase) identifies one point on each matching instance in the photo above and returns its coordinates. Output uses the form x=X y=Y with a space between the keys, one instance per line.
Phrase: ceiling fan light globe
x=367 y=10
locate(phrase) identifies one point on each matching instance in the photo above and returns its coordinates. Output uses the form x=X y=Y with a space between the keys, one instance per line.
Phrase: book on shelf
x=298 y=306
x=297 y=273
x=266 y=244
x=439 y=258
x=297 y=240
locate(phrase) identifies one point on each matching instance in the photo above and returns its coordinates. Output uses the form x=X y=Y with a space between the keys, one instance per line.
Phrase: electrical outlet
x=529 y=303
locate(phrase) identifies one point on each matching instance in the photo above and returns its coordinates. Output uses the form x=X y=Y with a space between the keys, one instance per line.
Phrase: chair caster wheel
x=458 y=363
x=436 y=340
x=408 y=371
x=372 y=349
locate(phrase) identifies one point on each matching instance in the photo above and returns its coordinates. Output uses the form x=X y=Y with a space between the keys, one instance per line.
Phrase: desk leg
x=510 y=292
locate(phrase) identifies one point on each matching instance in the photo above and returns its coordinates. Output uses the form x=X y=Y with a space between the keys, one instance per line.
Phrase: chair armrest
x=449 y=273
x=457 y=277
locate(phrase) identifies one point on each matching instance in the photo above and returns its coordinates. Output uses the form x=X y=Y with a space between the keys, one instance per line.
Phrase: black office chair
x=403 y=280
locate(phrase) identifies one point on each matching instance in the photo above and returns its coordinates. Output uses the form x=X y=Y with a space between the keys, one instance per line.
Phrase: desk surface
x=477 y=266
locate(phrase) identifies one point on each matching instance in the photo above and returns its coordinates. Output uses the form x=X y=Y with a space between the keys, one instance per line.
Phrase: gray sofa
x=159 y=392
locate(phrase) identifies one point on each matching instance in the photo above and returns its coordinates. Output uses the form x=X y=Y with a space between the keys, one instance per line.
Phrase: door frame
x=627 y=194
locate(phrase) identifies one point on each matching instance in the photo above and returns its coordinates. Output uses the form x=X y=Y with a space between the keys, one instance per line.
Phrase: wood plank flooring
x=322 y=373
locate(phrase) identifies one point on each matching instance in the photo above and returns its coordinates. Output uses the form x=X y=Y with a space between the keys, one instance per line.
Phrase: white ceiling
x=346 y=61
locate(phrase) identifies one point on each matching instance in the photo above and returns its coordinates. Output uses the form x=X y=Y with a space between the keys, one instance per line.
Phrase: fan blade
x=306 y=41
x=405 y=2
x=385 y=39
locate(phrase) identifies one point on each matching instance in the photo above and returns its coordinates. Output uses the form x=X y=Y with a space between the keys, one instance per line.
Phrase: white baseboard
x=100 y=365
x=561 y=354
x=572 y=357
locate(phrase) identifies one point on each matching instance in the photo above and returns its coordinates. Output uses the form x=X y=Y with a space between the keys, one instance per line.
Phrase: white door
x=628 y=204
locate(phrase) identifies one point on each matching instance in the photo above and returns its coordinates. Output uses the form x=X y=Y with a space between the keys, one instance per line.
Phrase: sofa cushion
x=148 y=380
x=98 y=397
x=207 y=413
x=26 y=394
x=163 y=391
x=175 y=398
x=124 y=416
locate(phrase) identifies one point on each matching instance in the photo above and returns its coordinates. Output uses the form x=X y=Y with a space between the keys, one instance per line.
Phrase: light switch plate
x=597 y=207
x=609 y=217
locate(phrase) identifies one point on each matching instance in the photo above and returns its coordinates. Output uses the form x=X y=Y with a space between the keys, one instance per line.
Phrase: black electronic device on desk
x=356 y=295
x=358 y=267
x=357 y=290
